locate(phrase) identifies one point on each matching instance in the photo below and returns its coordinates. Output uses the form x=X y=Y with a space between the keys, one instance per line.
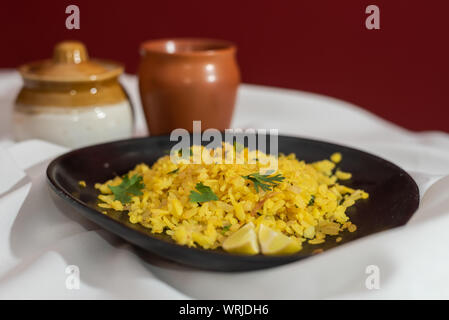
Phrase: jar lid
x=70 y=63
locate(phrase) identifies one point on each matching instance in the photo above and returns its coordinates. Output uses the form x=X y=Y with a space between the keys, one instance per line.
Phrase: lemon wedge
x=276 y=243
x=243 y=241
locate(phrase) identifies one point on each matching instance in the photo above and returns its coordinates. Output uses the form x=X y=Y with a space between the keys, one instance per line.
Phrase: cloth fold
x=10 y=171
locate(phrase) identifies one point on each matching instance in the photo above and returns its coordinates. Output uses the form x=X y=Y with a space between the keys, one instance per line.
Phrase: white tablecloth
x=38 y=242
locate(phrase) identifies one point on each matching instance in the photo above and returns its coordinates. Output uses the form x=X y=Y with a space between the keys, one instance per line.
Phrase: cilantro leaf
x=183 y=155
x=225 y=229
x=238 y=147
x=264 y=181
x=174 y=171
x=311 y=201
x=203 y=194
x=128 y=187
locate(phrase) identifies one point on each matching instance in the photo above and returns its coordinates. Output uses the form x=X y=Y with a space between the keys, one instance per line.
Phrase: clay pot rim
x=206 y=47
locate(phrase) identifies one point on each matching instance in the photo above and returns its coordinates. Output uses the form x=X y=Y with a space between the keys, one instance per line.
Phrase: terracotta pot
x=182 y=80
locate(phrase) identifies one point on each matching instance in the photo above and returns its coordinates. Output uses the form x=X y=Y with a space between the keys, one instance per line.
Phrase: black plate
x=394 y=196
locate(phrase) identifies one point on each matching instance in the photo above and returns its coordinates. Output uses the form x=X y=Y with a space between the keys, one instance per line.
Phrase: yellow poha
x=307 y=205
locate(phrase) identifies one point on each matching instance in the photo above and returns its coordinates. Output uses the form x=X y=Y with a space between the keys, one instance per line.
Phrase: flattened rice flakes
x=307 y=205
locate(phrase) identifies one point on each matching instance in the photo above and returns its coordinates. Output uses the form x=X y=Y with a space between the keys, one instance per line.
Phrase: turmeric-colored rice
x=307 y=205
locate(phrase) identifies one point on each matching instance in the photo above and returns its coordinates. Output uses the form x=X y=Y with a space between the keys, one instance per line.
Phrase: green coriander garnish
x=128 y=187
x=181 y=154
x=311 y=201
x=225 y=229
x=174 y=171
x=265 y=181
x=238 y=147
x=203 y=194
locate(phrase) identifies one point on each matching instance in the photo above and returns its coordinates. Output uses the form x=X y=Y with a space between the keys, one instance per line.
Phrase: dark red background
x=399 y=72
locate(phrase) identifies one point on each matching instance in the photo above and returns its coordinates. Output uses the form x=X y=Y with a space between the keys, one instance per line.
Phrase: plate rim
x=65 y=195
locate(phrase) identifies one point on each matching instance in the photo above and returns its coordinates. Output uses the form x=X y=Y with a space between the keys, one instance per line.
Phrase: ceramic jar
x=182 y=80
x=71 y=100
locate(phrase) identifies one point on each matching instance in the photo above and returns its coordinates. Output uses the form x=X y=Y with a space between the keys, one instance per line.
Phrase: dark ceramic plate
x=394 y=196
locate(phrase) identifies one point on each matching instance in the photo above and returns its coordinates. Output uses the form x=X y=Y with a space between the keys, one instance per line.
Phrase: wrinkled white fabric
x=38 y=241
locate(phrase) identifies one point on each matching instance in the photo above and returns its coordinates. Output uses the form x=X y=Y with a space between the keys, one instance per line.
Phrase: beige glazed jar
x=71 y=100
